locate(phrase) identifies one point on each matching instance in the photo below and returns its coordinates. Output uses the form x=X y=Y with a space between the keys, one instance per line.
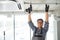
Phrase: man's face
x=40 y=23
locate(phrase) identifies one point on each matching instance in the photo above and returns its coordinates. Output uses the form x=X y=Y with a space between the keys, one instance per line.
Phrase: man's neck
x=39 y=27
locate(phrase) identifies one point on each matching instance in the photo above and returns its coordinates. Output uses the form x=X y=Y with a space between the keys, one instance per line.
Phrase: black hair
x=40 y=19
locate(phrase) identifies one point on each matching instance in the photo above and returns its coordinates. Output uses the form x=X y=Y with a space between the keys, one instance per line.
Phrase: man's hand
x=46 y=8
x=29 y=9
x=46 y=14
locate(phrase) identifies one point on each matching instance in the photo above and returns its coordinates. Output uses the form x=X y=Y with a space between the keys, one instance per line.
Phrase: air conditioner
x=10 y=6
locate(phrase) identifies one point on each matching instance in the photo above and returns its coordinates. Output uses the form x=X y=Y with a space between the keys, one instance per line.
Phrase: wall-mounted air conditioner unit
x=10 y=6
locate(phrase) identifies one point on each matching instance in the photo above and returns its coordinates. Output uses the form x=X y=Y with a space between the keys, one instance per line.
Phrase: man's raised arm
x=46 y=25
x=46 y=12
x=29 y=10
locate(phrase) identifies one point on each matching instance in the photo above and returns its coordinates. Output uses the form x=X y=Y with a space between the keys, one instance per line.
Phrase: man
x=39 y=31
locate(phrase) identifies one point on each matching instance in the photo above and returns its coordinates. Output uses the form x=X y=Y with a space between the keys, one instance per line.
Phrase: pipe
x=22 y=12
x=4 y=35
x=14 y=25
x=40 y=3
x=42 y=10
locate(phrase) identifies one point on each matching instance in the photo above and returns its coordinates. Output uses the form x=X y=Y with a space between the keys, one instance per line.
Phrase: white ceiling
x=55 y=7
x=43 y=1
x=42 y=6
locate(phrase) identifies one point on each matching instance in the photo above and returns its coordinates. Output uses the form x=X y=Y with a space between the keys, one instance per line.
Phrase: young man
x=39 y=32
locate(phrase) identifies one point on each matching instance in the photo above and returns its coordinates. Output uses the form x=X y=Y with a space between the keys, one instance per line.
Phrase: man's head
x=40 y=23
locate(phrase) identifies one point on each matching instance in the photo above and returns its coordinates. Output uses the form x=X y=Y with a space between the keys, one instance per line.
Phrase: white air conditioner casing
x=9 y=6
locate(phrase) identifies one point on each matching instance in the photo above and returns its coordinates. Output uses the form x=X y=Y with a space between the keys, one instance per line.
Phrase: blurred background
x=14 y=19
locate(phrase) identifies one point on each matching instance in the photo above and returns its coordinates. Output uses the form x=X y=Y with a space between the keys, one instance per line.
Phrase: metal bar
x=14 y=25
x=4 y=35
x=40 y=3
x=42 y=10
x=22 y=12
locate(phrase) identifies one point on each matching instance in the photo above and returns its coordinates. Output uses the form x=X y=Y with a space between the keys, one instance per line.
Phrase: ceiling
x=40 y=4
x=37 y=6
x=43 y=1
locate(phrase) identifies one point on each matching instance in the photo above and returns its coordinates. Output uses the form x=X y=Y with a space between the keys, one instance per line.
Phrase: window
x=6 y=24
x=22 y=30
